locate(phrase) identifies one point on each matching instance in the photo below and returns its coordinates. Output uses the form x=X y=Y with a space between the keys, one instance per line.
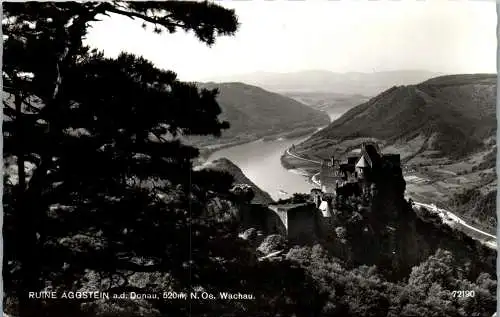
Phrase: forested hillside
x=253 y=113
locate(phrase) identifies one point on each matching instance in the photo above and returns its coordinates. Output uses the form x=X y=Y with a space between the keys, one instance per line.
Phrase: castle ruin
x=354 y=176
x=346 y=190
x=342 y=182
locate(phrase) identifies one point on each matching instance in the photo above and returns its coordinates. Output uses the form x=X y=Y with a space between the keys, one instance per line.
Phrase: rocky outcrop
x=241 y=182
x=390 y=235
x=271 y=243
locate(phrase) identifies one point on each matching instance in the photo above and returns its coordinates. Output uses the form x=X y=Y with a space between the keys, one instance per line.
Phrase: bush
x=271 y=243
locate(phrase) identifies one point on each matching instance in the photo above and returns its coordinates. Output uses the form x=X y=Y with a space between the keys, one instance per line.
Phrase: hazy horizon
x=449 y=37
x=317 y=71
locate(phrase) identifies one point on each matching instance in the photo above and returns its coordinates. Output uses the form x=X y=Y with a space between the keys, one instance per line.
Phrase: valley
x=334 y=104
x=250 y=159
x=444 y=129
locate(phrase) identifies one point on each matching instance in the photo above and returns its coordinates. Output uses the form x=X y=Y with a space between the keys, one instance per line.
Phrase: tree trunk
x=20 y=143
x=25 y=225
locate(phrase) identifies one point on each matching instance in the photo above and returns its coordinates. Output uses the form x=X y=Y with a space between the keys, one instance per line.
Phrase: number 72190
x=462 y=294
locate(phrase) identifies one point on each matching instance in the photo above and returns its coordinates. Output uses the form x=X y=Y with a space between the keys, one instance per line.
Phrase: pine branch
x=164 y=21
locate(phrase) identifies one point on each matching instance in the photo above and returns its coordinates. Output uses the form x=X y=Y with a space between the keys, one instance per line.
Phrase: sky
x=447 y=36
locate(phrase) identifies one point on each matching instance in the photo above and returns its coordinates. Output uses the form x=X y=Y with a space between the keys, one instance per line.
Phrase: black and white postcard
x=225 y=158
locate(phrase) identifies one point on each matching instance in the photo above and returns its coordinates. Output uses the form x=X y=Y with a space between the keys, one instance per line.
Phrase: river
x=260 y=162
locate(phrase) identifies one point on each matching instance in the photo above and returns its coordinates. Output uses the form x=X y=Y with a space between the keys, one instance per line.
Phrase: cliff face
x=389 y=234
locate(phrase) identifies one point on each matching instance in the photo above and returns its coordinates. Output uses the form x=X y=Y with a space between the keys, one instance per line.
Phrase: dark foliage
x=362 y=291
x=111 y=200
x=297 y=198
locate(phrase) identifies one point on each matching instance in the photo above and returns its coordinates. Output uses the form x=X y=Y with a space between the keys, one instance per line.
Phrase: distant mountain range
x=367 y=84
x=254 y=113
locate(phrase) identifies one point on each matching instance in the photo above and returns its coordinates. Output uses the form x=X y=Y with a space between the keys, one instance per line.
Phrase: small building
x=326 y=208
x=357 y=170
x=369 y=161
x=330 y=176
x=362 y=168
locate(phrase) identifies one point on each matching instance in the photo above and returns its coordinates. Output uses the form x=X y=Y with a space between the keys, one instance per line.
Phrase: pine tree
x=96 y=132
x=105 y=195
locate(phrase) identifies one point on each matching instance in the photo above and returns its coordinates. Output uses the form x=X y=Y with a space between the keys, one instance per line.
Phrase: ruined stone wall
x=281 y=214
x=275 y=224
x=261 y=218
x=303 y=223
x=300 y=221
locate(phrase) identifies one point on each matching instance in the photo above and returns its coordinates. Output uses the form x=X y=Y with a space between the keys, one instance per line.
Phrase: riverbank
x=208 y=150
x=290 y=162
x=260 y=162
